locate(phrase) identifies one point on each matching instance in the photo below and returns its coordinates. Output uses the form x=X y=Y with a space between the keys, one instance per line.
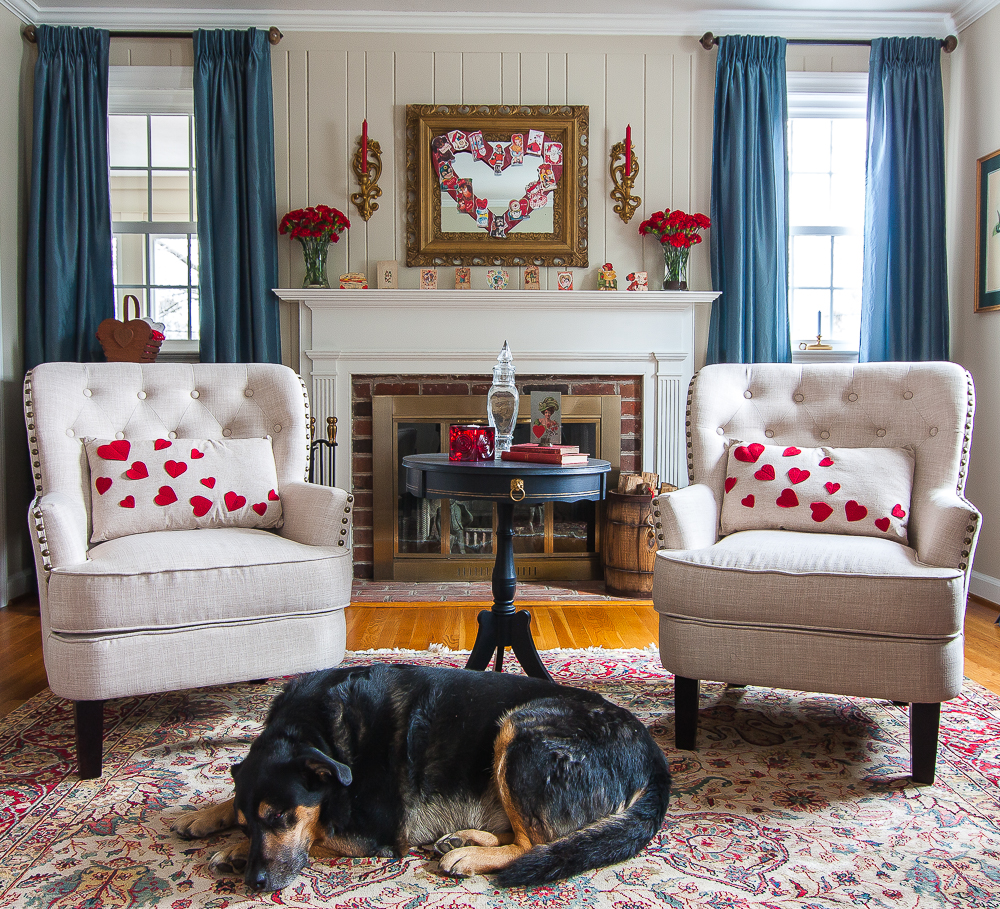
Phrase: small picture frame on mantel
x=388 y=275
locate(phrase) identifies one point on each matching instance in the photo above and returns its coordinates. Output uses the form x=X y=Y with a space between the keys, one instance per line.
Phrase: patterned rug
x=794 y=800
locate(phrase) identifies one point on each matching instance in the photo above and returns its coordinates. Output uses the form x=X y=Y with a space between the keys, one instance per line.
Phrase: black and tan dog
x=499 y=773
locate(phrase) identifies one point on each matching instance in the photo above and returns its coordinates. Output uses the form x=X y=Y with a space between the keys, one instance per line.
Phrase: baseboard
x=984 y=587
x=19 y=584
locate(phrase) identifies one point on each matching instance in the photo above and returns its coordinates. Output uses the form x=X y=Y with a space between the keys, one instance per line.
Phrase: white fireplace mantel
x=460 y=332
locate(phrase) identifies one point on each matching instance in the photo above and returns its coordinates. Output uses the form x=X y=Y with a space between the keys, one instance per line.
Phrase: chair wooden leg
x=685 y=712
x=924 y=722
x=89 y=717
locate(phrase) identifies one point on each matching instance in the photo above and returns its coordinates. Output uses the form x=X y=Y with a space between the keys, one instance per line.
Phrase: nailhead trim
x=36 y=514
x=305 y=395
x=340 y=542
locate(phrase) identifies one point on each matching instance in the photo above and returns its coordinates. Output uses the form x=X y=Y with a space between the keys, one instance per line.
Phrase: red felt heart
x=832 y=487
x=538 y=431
x=175 y=468
x=791 y=452
x=195 y=454
x=897 y=511
x=730 y=483
x=826 y=462
x=855 y=512
x=233 y=501
x=882 y=524
x=821 y=511
x=128 y=502
x=273 y=495
x=160 y=444
x=200 y=505
x=166 y=496
x=748 y=501
x=796 y=476
x=260 y=508
x=137 y=471
x=209 y=482
x=749 y=453
x=103 y=484
x=787 y=499
x=115 y=451
x=765 y=473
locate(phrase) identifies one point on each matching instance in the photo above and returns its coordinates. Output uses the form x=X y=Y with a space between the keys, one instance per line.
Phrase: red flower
x=319 y=221
x=675 y=228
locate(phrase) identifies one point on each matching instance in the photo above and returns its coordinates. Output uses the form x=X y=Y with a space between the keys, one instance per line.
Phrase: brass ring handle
x=515 y=487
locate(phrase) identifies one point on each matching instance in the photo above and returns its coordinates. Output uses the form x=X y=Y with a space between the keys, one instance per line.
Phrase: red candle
x=628 y=150
x=364 y=146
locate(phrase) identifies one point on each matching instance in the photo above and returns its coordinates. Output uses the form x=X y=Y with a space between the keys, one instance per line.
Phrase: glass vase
x=501 y=401
x=314 y=250
x=675 y=267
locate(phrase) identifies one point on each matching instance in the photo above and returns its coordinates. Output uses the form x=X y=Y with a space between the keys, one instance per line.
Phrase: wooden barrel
x=628 y=545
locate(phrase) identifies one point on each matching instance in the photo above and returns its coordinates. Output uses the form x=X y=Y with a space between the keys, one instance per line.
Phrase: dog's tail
x=607 y=841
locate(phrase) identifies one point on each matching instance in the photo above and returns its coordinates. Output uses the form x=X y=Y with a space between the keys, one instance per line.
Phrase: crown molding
x=969 y=12
x=805 y=24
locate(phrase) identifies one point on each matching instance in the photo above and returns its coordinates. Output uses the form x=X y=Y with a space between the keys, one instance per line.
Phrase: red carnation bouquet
x=315 y=228
x=677 y=232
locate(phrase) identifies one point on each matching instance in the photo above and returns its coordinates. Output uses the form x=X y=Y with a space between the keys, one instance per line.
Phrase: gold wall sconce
x=623 y=176
x=367 y=166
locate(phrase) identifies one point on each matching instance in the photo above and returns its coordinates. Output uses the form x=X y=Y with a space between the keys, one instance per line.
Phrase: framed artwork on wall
x=988 y=233
x=496 y=185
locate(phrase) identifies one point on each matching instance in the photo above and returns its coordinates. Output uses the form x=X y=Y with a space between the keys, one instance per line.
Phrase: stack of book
x=545 y=454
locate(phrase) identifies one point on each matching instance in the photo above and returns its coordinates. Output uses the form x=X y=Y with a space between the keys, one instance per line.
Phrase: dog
x=497 y=773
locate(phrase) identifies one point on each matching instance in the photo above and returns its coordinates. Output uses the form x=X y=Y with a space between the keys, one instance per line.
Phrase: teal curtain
x=749 y=239
x=237 y=221
x=904 y=294
x=69 y=286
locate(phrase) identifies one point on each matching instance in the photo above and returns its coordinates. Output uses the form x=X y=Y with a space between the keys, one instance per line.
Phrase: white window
x=153 y=202
x=826 y=203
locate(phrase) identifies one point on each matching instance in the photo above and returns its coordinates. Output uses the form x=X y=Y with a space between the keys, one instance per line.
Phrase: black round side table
x=434 y=476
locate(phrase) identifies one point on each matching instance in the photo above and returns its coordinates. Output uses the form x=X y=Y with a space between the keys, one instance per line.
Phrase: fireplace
x=584 y=337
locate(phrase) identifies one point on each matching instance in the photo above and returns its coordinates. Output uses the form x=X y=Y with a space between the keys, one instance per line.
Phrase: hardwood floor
x=374 y=626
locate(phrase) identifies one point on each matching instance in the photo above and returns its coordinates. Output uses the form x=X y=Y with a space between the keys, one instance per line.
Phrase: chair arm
x=316 y=515
x=58 y=526
x=946 y=527
x=688 y=518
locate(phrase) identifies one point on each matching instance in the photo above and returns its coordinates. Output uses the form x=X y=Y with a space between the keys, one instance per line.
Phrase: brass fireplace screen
x=442 y=539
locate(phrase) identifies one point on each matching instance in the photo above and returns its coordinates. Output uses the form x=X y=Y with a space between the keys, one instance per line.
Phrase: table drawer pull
x=517 y=486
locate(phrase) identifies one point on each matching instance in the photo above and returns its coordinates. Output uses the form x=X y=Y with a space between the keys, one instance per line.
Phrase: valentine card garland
x=499 y=155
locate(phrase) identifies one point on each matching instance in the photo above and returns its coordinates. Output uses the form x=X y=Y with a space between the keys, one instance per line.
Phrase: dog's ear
x=325 y=767
x=235 y=769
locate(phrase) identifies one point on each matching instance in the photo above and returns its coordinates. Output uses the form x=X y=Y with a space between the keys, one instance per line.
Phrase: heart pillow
x=181 y=484
x=859 y=491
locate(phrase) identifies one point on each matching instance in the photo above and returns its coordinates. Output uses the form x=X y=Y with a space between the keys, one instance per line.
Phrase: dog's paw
x=449 y=842
x=232 y=860
x=197 y=824
x=458 y=861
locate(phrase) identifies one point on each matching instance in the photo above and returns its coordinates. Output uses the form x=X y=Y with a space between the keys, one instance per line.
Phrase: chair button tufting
x=227 y=432
x=119 y=435
x=70 y=433
x=277 y=427
x=852 y=397
x=747 y=394
x=880 y=432
x=769 y=433
x=87 y=392
x=933 y=430
x=141 y=396
x=248 y=393
x=798 y=398
x=720 y=431
x=907 y=395
x=196 y=393
x=171 y=435
x=824 y=435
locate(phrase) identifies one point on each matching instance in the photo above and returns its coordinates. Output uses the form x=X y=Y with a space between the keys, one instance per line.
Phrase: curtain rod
x=29 y=32
x=708 y=41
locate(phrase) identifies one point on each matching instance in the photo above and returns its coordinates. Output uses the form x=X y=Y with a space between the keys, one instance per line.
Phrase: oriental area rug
x=793 y=800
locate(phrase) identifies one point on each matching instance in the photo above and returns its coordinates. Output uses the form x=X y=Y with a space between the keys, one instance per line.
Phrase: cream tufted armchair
x=178 y=609
x=850 y=615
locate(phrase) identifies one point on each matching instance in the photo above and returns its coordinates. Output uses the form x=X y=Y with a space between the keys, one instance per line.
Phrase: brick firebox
x=363 y=387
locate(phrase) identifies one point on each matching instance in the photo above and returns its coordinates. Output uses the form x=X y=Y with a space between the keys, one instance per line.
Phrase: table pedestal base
x=500 y=630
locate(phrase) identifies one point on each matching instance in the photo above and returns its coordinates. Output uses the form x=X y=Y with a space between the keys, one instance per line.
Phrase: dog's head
x=285 y=800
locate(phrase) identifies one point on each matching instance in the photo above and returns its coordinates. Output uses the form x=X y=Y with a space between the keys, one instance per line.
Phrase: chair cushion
x=149 y=485
x=180 y=578
x=858 y=491
x=774 y=578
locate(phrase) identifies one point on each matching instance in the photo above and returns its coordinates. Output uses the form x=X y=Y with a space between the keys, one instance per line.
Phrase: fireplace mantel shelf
x=316 y=298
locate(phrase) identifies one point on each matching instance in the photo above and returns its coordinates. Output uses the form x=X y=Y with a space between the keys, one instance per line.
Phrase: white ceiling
x=790 y=18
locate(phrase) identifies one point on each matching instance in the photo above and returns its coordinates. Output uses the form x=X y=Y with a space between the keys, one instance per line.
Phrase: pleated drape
x=237 y=220
x=69 y=285
x=749 y=238
x=904 y=295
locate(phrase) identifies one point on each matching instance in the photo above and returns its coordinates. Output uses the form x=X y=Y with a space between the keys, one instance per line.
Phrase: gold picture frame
x=987 y=298
x=562 y=242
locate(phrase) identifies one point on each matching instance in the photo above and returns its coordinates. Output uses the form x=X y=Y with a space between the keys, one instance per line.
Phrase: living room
x=640 y=71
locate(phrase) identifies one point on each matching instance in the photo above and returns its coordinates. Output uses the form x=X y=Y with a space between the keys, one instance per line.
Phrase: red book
x=551 y=455
x=534 y=446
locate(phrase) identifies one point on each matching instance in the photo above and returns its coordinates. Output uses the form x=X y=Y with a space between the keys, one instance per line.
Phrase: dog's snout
x=257 y=879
